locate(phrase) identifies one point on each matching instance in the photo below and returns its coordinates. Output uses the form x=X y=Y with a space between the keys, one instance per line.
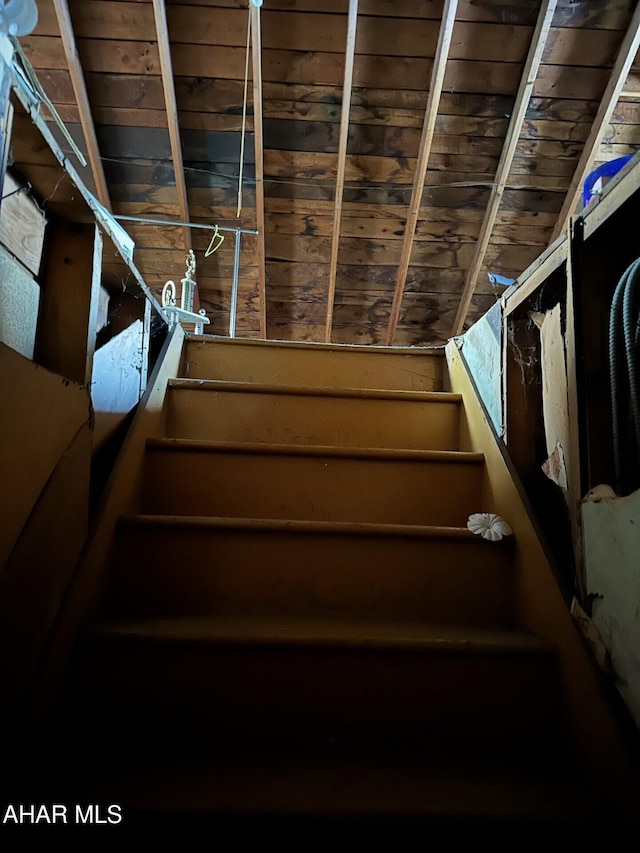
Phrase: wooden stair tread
x=313 y=390
x=278 y=525
x=257 y=447
x=325 y=632
x=355 y=786
x=258 y=343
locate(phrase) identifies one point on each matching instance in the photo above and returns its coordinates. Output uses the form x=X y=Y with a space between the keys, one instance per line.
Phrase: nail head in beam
x=428 y=129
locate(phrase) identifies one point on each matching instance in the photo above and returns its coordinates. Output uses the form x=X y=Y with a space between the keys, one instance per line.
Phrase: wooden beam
x=529 y=75
x=256 y=65
x=82 y=100
x=166 y=68
x=342 y=159
x=617 y=79
x=428 y=129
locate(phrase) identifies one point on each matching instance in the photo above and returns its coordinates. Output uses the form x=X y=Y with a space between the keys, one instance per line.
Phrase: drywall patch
x=482 y=350
x=116 y=381
x=611 y=541
x=20 y=297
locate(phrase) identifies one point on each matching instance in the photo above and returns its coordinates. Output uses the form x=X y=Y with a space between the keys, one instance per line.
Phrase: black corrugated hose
x=624 y=340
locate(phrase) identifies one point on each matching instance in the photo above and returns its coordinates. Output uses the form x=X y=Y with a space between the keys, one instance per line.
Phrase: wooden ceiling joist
x=258 y=135
x=428 y=129
x=525 y=90
x=168 y=87
x=82 y=99
x=342 y=159
x=617 y=79
x=302 y=88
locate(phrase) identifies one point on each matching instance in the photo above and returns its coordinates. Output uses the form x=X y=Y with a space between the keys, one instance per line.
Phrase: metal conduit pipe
x=624 y=338
x=233 y=310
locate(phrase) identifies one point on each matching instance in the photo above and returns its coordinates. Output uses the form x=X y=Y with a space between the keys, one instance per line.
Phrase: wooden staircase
x=300 y=635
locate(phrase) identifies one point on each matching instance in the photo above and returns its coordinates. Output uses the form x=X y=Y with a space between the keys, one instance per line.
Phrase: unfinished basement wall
x=557 y=424
x=605 y=246
x=46 y=433
x=45 y=451
x=53 y=305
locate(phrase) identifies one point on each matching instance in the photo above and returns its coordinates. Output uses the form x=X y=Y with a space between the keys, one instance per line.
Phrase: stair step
x=316 y=483
x=332 y=800
x=331 y=365
x=299 y=627
x=166 y=565
x=241 y=411
x=318 y=682
x=326 y=633
x=369 y=789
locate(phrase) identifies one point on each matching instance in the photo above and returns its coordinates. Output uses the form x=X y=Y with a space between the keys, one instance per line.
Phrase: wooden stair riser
x=256 y=795
x=392 y=491
x=291 y=364
x=312 y=419
x=178 y=570
x=306 y=696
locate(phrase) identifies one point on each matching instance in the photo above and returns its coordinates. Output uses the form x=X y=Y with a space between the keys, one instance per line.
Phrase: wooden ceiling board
x=302 y=69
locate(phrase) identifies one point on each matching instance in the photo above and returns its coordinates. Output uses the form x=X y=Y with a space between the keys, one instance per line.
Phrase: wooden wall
x=45 y=455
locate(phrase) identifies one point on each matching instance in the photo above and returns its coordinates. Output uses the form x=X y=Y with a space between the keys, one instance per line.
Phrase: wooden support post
x=428 y=129
x=626 y=56
x=66 y=334
x=342 y=159
x=529 y=74
x=82 y=100
x=256 y=60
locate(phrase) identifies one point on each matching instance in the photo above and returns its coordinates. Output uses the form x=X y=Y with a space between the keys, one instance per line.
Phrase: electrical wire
x=320 y=183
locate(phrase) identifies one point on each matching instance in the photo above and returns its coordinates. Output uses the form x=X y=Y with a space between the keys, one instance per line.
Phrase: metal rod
x=146 y=221
x=234 y=286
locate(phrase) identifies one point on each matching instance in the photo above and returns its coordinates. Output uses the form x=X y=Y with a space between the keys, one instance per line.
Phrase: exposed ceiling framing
x=258 y=135
x=171 y=107
x=619 y=73
x=67 y=37
x=350 y=53
x=529 y=74
x=428 y=129
x=386 y=172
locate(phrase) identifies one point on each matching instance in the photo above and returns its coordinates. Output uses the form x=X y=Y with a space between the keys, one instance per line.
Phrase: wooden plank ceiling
x=402 y=147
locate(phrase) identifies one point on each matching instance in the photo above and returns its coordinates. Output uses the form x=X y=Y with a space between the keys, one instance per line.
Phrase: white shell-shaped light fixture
x=489 y=526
